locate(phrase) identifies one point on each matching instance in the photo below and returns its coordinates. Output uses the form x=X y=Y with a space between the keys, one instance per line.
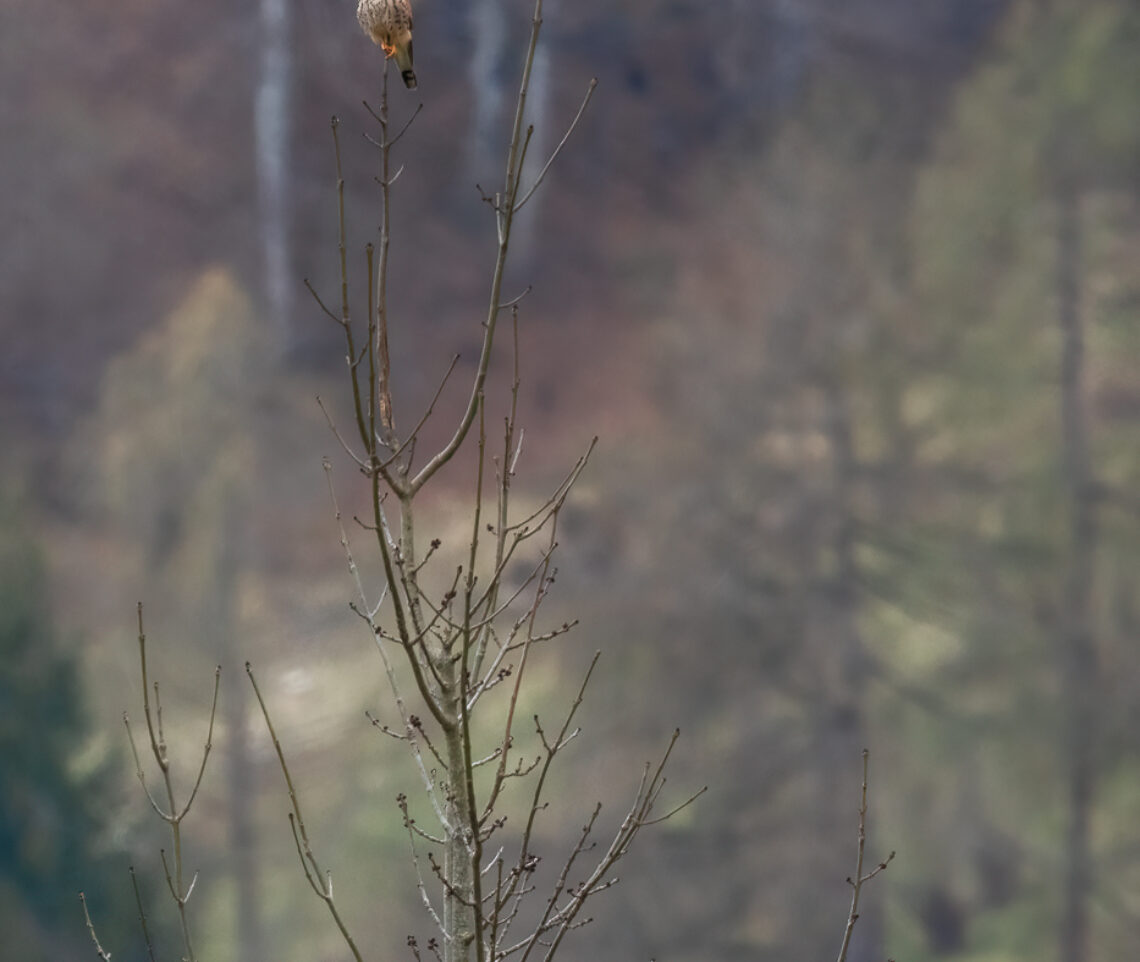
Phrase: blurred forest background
x=849 y=291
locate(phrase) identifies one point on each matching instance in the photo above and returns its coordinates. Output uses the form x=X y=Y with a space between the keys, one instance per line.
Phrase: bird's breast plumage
x=387 y=19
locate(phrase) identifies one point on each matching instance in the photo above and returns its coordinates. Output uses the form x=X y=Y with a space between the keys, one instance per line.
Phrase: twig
x=173 y=815
x=142 y=915
x=856 y=882
x=562 y=143
x=389 y=668
x=413 y=830
x=504 y=219
x=91 y=930
x=411 y=438
x=321 y=304
x=321 y=882
x=360 y=462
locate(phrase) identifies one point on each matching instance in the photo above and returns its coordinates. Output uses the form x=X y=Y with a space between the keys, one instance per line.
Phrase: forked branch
x=171 y=813
x=457 y=640
x=857 y=881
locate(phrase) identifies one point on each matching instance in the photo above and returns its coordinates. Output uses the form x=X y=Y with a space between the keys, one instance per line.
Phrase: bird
x=389 y=24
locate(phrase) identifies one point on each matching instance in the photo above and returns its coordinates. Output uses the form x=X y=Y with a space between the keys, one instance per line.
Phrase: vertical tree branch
x=504 y=204
x=859 y=879
x=173 y=815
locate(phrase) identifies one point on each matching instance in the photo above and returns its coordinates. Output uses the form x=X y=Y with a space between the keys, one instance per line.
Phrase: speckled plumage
x=389 y=24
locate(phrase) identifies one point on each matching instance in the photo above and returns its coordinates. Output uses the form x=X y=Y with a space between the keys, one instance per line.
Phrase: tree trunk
x=489 y=40
x=1078 y=661
x=271 y=133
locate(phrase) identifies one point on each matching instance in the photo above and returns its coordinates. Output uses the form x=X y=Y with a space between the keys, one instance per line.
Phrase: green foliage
x=56 y=799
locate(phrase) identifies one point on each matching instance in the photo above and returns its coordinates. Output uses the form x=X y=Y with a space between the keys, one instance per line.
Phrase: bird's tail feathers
x=404 y=62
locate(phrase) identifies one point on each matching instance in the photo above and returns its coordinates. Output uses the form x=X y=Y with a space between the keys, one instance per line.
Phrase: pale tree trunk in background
x=1078 y=661
x=271 y=133
x=489 y=42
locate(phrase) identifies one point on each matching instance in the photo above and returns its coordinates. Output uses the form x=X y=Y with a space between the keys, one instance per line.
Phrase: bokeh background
x=849 y=291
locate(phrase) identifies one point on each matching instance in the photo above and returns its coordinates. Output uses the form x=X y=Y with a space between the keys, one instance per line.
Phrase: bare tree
x=477 y=633
x=458 y=627
x=465 y=649
x=167 y=805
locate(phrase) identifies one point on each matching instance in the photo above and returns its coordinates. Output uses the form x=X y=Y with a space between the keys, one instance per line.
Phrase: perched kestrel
x=389 y=24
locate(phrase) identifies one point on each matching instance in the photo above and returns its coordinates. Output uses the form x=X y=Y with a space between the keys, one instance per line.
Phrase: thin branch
x=141 y=775
x=91 y=930
x=379 y=338
x=360 y=462
x=411 y=438
x=413 y=733
x=507 y=737
x=377 y=634
x=321 y=304
x=536 y=804
x=314 y=884
x=504 y=219
x=856 y=882
x=300 y=835
x=173 y=815
x=403 y=130
x=516 y=300
x=206 y=750
x=142 y=915
x=560 y=492
x=409 y=824
x=562 y=143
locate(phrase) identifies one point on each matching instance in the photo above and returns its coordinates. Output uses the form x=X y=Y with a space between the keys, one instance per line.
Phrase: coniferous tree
x=56 y=796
